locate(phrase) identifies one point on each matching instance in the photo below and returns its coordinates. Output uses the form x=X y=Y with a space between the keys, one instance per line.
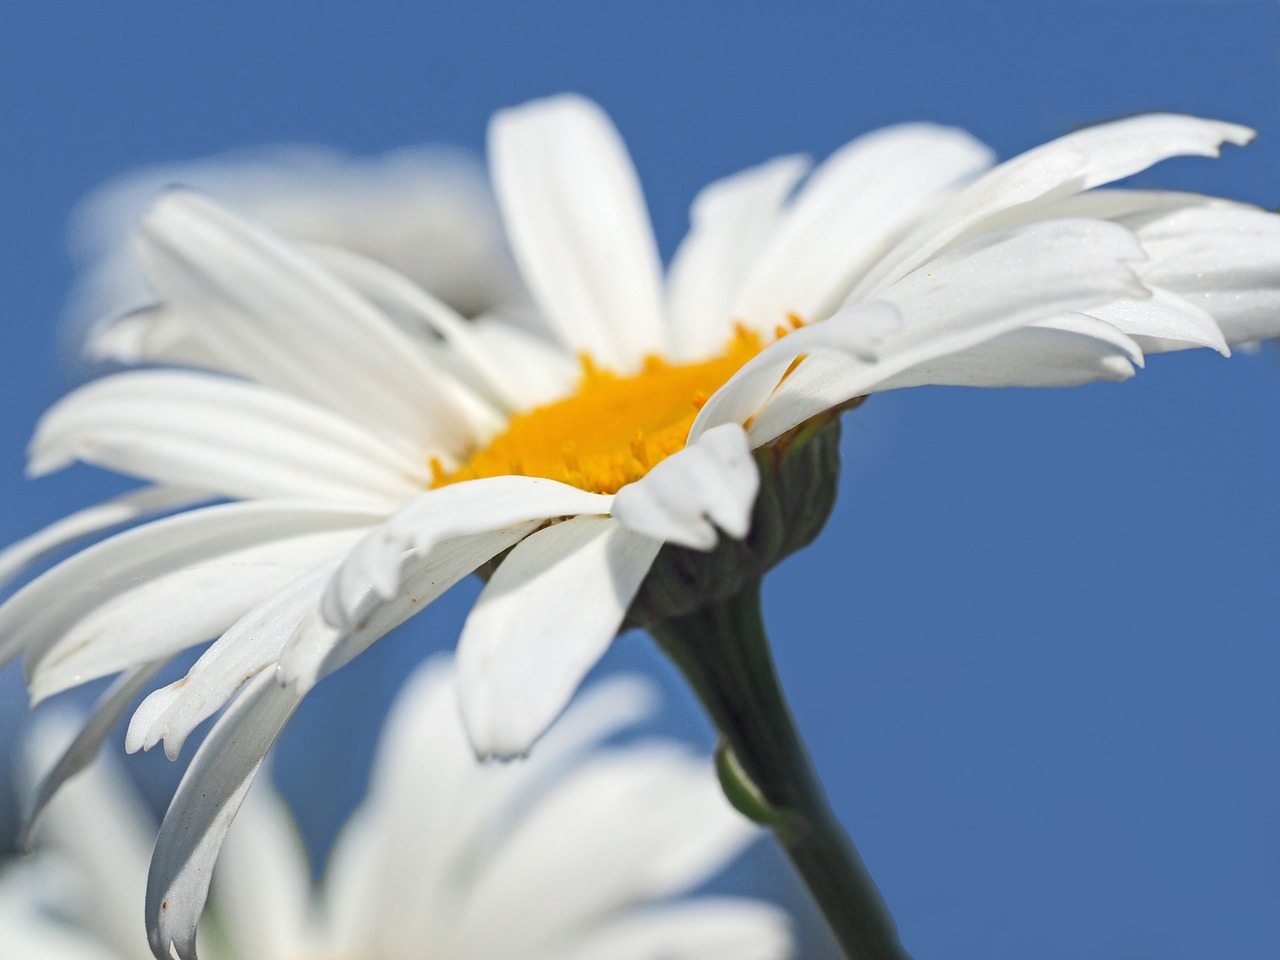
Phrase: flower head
x=576 y=854
x=378 y=448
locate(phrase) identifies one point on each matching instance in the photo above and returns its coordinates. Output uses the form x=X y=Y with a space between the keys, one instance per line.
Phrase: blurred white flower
x=424 y=212
x=574 y=855
x=381 y=448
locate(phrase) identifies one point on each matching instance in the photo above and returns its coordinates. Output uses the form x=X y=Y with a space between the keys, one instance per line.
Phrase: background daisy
x=582 y=853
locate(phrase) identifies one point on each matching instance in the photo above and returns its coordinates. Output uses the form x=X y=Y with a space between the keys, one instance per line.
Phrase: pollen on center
x=614 y=428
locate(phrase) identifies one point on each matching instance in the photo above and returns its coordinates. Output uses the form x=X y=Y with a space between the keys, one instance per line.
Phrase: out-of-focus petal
x=730 y=224
x=856 y=204
x=84 y=746
x=704 y=929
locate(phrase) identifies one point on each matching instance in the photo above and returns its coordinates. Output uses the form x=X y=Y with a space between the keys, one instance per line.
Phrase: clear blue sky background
x=1034 y=651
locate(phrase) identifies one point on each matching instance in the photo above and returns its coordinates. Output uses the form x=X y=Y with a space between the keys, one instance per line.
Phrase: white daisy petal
x=143 y=622
x=317 y=648
x=537 y=370
x=262 y=884
x=730 y=224
x=859 y=331
x=978 y=291
x=100 y=829
x=240 y=439
x=86 y=743
x=35 y=618
x=395 y=888
x=460 y=509
x=31 y=935
x=575 y=215
x=1223 y=259
x=681 y=829
x=1066 y=351
x=155 y=332
x=1079 y=161
x=704 y=929
x=546 y=616
x=116 y=512
x=404 y=298
x=1107 y=203
x=854 y=206
x=710 y=483
x=252 y=644
x=1164 y=322
x=247 y=289
x=202 y=809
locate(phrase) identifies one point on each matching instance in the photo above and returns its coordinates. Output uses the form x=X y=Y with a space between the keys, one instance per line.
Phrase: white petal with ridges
x=1163 y=322
x=317 y=648
x=1222 y=259
x=985 y=288
x=546 y=616
x=856 y=204
x=240 y=439
x=404 y=298
x=1079 y=161
x=171 y=611
x=252 y=644
x=710 y=484
x=248 y=295
x=202 y=810
x=858 y=332
x=460 y=509
x=578 y=226
x=36 y=617
x=262 y=884
x=730 y=224
x=1067 y=351
x=134 y=505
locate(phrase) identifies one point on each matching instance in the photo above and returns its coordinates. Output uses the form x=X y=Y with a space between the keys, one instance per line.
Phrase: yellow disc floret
x=613 y=429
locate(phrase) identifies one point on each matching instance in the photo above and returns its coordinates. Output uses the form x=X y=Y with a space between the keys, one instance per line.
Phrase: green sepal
x=741 y=792
x=799 y=477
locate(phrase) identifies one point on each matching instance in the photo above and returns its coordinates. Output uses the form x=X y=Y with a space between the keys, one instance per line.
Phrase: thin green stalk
x=724 y=653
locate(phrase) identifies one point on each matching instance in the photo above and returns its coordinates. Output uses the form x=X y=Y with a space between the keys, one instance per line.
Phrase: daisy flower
x=576 y=854
x=646 y=454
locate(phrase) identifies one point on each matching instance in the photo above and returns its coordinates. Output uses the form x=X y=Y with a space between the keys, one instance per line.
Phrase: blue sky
x=1034 y=651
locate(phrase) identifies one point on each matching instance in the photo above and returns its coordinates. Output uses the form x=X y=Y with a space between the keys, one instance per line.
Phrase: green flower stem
x=723 y=651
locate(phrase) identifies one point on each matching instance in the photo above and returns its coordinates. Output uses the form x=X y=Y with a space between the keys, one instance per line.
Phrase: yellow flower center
x=613 y=429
